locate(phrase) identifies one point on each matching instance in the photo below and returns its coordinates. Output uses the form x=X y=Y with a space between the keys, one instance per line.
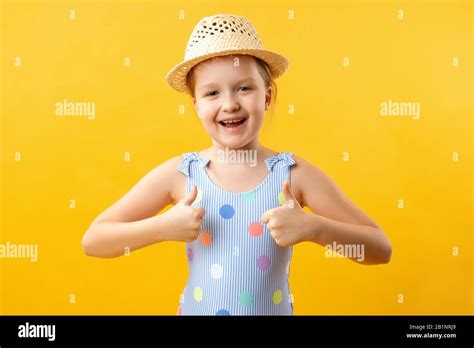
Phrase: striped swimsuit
x=235 y=266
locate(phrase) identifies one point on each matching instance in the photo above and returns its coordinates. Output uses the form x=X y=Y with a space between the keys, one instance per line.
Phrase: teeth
x=233 y=121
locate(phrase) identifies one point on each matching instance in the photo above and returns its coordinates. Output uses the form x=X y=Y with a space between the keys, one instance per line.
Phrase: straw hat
x=220 y=35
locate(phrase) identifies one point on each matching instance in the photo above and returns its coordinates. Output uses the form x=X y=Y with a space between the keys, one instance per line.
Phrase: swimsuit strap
x=280 y=160
x=188 y=158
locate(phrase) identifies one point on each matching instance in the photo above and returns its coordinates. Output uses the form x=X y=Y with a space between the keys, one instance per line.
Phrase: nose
x=230 y=104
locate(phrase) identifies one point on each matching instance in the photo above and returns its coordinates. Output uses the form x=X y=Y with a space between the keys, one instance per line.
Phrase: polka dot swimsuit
x=235 y=266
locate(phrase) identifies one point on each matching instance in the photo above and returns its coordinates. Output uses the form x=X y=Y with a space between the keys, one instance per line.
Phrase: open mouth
x=233 y=123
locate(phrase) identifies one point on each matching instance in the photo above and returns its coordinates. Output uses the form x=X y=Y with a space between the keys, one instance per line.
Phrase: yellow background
x=336 y=112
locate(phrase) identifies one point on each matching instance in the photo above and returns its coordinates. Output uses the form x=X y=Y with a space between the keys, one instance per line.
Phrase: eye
x=244 y=88
x=211 y=94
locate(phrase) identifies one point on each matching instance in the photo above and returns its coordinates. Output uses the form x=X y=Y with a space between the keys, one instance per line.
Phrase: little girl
x=233 y=203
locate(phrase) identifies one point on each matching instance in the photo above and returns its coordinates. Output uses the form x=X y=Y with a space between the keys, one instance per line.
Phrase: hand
x=287 y=224
x=183 y=222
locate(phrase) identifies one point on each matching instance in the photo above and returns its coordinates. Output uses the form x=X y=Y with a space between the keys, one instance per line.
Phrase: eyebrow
x=249 y=78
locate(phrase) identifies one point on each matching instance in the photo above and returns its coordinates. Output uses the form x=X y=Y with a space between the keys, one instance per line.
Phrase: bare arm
x=336 y=218
x=130 y=223
x=109 y=239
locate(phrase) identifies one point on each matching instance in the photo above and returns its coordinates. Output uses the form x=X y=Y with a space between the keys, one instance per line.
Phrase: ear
x=268 y=97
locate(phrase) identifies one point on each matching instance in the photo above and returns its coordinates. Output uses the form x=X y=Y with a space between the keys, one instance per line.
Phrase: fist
x=286 y=224
x=183 y=222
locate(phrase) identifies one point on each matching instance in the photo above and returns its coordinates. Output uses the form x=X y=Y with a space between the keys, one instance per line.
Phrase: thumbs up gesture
x=286 y=223
x=183 y=222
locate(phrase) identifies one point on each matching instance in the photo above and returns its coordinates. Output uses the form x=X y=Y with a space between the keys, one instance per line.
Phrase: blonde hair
x=263 y=70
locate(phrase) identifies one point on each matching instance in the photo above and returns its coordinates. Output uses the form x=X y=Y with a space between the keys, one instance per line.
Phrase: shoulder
x=303 y=166
x=168 y=171
x=169 y=166
x=305 y=173
x=320 y=193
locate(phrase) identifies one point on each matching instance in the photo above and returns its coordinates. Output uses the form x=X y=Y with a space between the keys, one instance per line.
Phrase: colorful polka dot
x=205 y=238
x=263 y=262
x=222 y=312
x=190 y=254
x=227 y=211
x=277 y=296
x=281 y=198
x=246 y=299
x=248 y=196
x=216 y=271
x=198 y=294
x=255 y=229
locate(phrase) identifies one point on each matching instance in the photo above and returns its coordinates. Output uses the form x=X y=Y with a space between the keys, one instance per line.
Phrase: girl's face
x=230 y=98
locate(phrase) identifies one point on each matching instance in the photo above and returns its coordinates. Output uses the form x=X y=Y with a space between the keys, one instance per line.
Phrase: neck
x=253 y=145
x=253 y=148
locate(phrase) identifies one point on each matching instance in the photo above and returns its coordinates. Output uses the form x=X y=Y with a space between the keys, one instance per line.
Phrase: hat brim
x=176 y=77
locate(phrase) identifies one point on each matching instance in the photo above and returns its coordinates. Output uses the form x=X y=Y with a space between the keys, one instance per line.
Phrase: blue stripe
x=240 y=273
